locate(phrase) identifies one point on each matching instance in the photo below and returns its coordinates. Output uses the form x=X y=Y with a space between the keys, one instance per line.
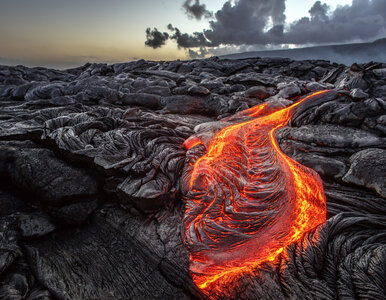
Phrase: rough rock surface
x=91 y=160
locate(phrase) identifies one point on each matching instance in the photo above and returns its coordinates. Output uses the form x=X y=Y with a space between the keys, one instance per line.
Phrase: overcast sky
x=65 y=33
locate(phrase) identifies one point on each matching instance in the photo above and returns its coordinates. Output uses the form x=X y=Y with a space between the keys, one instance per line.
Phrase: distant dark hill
x=345 y=54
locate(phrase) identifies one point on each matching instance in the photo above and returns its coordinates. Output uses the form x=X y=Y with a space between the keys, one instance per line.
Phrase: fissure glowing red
x=246 y=200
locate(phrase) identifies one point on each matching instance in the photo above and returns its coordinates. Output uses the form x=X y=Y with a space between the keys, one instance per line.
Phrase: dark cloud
x=155 y=38
x=196 y=10
x=184 y=40
x=263 y=22
x=319 y=10
x=170 y=27
x=246 y=22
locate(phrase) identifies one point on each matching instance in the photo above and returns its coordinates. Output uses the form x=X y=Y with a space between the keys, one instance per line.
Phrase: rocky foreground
x=91 y=161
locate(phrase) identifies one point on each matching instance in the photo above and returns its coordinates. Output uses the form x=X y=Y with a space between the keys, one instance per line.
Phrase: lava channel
x=245 y=199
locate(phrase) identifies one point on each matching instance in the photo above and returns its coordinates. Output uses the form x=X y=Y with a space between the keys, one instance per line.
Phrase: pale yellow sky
x=72 y=32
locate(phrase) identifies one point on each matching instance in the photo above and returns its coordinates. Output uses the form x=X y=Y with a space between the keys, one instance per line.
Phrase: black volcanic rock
x=368 y=168
x=259 y=92
x=91 y=159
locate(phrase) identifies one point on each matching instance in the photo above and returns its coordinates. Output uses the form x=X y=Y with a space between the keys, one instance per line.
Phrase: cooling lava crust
x=245 y=199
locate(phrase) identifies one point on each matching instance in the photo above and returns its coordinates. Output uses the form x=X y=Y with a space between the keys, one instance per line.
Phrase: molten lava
x=245 y=199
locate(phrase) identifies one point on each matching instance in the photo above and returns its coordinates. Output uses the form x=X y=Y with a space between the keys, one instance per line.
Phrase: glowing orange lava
x=246 y=200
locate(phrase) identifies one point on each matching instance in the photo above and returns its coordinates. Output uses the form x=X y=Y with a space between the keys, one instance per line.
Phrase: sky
x=58 y=33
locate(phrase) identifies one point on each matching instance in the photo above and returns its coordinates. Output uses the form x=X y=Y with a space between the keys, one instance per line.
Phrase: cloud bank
x=362 y=20
x=263 y=22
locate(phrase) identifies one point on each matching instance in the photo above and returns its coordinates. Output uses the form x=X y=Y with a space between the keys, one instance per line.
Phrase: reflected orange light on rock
x=246 y=200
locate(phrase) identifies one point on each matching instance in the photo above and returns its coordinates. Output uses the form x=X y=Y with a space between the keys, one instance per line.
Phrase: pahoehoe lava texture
x=95 y=177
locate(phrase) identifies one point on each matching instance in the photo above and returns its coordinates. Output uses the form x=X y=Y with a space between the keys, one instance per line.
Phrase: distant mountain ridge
x=345 y=53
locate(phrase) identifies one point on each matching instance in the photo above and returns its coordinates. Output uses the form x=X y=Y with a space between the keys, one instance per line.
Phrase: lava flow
x=245 y=199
